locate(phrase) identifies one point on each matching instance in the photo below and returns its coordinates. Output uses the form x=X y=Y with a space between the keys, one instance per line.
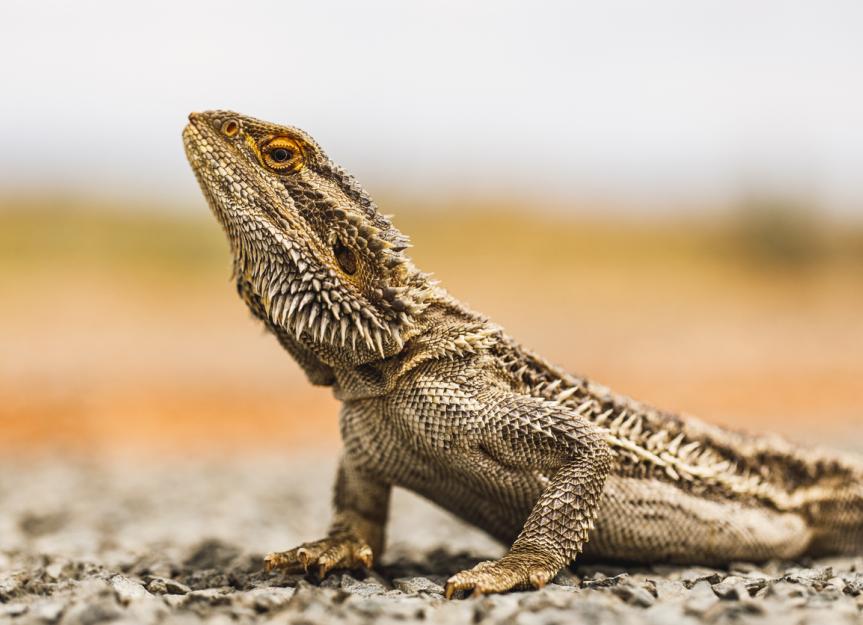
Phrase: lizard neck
x=446 y=331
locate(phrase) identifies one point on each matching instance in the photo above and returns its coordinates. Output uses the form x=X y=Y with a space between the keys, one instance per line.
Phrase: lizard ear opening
x=345 y=257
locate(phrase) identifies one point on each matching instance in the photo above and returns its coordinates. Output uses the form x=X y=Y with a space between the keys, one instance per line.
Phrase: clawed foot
x=512 y=572
x=322 y=556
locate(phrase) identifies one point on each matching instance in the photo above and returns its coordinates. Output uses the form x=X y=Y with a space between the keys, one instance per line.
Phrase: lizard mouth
x=234 y=191
x=195 y=142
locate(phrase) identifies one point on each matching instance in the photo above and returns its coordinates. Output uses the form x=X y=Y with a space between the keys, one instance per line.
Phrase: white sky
x=654 y=100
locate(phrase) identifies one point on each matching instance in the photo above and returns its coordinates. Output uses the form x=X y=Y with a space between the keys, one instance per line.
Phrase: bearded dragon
x=439 y=400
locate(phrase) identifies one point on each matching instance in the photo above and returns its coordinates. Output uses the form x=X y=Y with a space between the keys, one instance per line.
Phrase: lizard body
x=439 y=400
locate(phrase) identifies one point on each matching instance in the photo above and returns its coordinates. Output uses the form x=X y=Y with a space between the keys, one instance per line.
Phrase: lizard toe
x=287 y=561
x=319 y=557
x=512 y=572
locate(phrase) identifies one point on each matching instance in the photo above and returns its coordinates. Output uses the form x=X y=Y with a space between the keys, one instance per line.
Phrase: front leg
x=356 y=534
x=533 y=434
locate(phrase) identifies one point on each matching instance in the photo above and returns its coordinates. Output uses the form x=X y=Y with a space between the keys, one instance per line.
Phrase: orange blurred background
x=121 y=331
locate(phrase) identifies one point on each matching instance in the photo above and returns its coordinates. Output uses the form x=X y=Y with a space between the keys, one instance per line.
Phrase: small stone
x=731 y=588
x=690 y=577
x=209 y=596
x=670 y=589
x=126 y=590
x=417 y=585
x=56 y=570
x=334 y=580
x=373 y=576
x=634 y=594
x=567 y=578
x=266 y=599
x=8 y=588
x=604 y=582
x=167 y=586
x=174 y=601
x=853 y=586
x=755 y=585
x=11 y=586
x=366 y=588
x=816 y=578
x=559 y=588
x=701 y=598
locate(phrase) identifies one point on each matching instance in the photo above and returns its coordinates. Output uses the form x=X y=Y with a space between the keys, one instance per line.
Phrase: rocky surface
x=141 y=541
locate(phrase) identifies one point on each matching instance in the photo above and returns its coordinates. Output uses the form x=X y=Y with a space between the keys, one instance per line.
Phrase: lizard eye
x=280 y=155
x=345 y=258
x=283 y=155
x=230 y=128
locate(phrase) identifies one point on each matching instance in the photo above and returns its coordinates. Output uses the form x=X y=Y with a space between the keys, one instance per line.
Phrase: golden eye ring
x=283 y=155
x=230 y=127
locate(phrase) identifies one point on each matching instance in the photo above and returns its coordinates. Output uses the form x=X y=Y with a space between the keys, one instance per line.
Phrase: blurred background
x=664 y=196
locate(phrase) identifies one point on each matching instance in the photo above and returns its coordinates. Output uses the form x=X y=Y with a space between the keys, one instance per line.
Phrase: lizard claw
x=512 y=572
x=322 y=556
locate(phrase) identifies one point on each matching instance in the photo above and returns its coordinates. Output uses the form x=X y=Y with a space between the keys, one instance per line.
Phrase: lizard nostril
x=230 y=128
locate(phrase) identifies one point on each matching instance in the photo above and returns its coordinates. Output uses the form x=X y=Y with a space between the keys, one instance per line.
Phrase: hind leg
x=650 y=521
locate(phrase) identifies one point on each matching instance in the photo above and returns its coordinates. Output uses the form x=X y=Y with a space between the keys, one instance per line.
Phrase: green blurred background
x=665 y=198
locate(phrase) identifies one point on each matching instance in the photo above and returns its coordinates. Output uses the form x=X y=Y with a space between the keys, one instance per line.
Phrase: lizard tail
x=837 y=519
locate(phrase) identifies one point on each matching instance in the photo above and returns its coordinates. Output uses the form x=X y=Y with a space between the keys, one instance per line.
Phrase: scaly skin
x=438 y=399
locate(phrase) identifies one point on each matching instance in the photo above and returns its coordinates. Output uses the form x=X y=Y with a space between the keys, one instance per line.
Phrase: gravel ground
x=171 y=541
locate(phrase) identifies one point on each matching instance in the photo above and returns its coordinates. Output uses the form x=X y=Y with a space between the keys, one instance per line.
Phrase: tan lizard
x=439 y=400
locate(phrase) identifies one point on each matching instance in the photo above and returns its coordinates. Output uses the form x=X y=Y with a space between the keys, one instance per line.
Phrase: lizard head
x=312 y=255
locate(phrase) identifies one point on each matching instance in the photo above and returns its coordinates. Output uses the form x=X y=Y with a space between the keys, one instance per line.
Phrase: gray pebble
x=368 y=587
x=731 y=588
x=173 y=601
x=210 y=596
x=567 y=578
x=853 y=585
x=126 y=590
x=167 y=586
x=634 y=594
x=266 y=599
x=9 y=586
x=604 y=582
x=701 y=598
x=417 y=585
x=668 y=589
x=691 y=576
